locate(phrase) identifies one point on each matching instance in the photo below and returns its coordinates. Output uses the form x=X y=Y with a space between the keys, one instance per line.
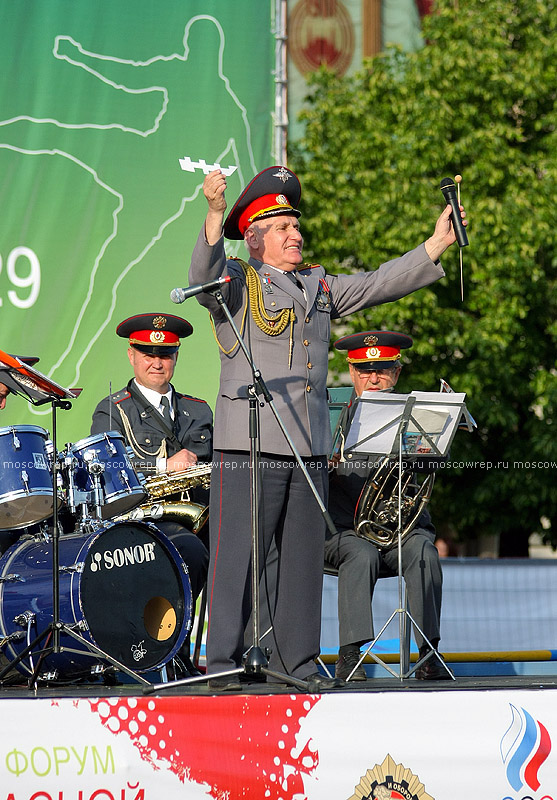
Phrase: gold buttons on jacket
x=308 y=388
x=307 y=320
x=310 y=365
x=306 y=343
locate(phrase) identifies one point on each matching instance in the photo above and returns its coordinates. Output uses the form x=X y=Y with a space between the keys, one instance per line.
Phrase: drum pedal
x=49 y=677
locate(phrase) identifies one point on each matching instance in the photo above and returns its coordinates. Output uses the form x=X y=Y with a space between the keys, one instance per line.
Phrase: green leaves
x=478 y=100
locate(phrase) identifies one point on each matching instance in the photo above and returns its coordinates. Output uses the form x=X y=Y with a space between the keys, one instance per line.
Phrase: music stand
x=22 y=379
x=419 y=425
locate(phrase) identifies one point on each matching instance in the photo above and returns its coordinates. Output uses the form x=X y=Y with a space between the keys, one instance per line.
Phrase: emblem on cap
x=373 y=352
x=159 y=322
x=283 y=174
x=281 y=200
x=156 y=337
x=371 y=340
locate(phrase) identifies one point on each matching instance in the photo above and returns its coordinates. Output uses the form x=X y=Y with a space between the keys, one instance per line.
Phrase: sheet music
x=378 y=416
x=438 y=420
x=387 y=409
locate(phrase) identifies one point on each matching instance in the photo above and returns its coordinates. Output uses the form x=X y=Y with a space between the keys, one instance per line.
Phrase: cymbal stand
x=255 y=661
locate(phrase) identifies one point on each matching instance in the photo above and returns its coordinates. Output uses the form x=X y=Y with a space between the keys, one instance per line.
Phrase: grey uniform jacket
x=193 y=426
x=298 y=390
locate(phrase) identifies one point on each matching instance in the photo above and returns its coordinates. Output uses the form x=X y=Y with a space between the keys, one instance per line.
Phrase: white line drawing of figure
x=149 y=187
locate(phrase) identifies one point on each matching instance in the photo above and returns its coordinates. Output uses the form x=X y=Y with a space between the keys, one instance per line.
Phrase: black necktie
x=296 y=280
x=165 y=408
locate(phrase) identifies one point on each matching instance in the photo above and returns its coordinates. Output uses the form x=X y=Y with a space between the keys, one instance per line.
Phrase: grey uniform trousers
x=290 y=514
x=360 y=564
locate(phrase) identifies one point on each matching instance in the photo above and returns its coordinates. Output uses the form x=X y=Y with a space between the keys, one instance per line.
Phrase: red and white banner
x=414 y=745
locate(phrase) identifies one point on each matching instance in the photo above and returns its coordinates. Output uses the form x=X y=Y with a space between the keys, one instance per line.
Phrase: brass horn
x=191 y=515
x=377 y=513
x=169 y=498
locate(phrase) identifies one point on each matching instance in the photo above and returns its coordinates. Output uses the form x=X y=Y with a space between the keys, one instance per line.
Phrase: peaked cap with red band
x=374 y=349
x=156 y=334
x=274 y=191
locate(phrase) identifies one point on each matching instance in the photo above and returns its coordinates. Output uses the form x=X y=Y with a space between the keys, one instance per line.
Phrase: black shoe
x=225 y=683
x=432 y=670
x=188 y=667
x=346 y=663
x=318 y=682
x=179 y=669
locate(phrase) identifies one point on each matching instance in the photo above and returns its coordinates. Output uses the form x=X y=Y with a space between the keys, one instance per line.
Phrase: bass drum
x=123 y=588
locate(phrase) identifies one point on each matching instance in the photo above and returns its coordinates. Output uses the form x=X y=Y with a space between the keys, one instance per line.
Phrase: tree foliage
x=478 y=100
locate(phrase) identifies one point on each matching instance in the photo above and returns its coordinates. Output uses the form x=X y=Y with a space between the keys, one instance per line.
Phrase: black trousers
x=289 y=514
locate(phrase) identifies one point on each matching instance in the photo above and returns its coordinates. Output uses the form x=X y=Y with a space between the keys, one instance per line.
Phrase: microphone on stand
x=179 y=295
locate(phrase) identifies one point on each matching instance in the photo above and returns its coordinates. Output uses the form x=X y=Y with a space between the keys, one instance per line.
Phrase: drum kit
x=124 y=596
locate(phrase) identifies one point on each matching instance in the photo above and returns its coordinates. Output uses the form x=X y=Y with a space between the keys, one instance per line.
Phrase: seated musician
x=167 y=431
x=374 y=364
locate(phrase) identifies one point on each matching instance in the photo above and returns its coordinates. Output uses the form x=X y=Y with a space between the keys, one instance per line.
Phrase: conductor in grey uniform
x=283 y=308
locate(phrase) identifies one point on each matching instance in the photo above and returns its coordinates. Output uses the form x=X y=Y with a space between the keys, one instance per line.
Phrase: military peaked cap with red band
x=374 y=349
x=157 y=334
x=274 y=191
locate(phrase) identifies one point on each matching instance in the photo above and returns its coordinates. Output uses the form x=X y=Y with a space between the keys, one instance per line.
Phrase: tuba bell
x=377 y=514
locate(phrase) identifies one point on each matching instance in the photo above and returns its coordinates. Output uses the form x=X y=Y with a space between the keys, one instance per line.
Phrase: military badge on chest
x=323 y=299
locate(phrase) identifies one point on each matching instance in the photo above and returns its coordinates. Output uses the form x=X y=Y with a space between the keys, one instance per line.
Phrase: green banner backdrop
x=98 y=102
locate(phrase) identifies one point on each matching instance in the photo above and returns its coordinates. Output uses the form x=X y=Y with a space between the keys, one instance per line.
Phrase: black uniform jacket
x=192 y=427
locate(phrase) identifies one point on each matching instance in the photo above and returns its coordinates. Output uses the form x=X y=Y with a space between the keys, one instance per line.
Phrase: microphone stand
x=255 y=662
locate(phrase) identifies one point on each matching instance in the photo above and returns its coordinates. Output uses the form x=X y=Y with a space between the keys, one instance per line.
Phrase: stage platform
x=489 y=733
x=482 y=735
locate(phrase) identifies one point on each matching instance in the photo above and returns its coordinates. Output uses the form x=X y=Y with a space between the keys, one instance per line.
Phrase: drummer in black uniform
x=167 y=431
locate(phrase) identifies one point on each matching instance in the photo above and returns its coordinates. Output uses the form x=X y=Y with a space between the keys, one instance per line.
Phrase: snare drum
x=121 y=487
x=123 y=588
x=25 y=476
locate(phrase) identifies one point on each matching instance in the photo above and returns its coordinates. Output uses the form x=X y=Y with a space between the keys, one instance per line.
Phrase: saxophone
x=168 y=497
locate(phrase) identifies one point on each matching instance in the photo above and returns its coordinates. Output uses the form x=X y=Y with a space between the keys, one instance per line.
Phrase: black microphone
x=179 y=295
x=449 y=193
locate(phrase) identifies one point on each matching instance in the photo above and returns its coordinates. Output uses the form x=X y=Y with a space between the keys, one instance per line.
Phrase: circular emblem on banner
x=321 y=32
x=156 y=336
x=390 y=781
